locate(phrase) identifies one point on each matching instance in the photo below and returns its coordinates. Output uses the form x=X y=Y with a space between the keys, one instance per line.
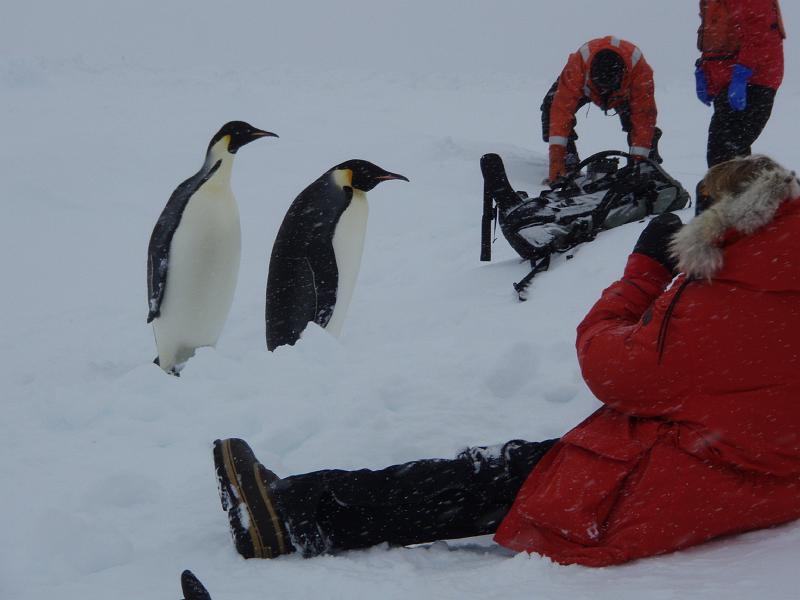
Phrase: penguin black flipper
x=310 y=295
x=192 y=588
x=161 y=238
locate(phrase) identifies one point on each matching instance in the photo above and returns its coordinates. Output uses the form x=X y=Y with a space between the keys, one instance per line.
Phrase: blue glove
x=701 y=86
x=737 y=89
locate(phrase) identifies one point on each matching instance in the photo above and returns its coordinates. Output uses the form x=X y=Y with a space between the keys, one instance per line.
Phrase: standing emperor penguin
x=317 y=253
x=193 y=256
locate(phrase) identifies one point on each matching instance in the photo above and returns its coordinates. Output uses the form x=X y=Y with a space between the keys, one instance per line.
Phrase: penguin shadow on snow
x=194 y=252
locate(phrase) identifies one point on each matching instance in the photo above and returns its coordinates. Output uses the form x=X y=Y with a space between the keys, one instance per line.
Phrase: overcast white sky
x=405 y=35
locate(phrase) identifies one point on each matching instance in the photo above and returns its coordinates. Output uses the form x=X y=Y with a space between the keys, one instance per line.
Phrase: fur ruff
x=695 y=246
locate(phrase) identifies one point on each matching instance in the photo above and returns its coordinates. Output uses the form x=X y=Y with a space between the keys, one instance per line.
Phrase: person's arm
x=562 y=112
x=617 y=348
x=643 y=109
x=565 y=102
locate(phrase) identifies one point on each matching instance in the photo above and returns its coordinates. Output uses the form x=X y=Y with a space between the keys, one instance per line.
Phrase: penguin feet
x=175 y=370
x=256 y=525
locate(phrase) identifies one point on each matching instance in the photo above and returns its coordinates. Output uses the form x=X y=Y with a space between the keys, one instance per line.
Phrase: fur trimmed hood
x=697 y=245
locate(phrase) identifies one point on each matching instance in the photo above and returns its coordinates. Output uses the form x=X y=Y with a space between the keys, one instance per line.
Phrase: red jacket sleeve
x=565 y=102
x=618 y=353
x=643 y=105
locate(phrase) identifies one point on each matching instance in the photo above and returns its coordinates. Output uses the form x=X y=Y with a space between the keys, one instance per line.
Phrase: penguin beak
x=387 y=176
x=258 y=133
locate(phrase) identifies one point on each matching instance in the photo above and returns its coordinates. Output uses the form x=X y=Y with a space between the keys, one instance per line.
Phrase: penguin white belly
x=202 y=273
x=348 y=246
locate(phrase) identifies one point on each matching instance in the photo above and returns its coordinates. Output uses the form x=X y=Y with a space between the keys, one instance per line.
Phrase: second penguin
x=317 y=253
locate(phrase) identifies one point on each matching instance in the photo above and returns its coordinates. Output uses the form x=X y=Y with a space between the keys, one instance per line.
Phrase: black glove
x=654 y=240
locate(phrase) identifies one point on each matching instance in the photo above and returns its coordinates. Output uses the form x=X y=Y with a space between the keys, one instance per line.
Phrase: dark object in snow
x=192 y=588
x=575 y=208
x=317 y=253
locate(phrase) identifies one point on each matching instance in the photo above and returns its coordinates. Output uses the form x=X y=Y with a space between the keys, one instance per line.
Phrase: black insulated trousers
x=416 y=502
x=732 y=133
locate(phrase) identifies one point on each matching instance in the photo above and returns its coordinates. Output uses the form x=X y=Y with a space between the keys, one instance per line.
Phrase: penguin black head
x=240 y=133
x=366 y=175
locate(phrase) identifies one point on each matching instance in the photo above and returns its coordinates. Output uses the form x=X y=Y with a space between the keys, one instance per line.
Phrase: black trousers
x=416 y=502
x=732 y=133
x=623 y=112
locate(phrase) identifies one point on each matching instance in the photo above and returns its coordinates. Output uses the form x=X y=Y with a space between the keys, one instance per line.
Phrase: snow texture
x=108 y=485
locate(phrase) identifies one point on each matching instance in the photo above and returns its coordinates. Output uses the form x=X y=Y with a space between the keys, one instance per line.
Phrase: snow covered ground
x=107 y=480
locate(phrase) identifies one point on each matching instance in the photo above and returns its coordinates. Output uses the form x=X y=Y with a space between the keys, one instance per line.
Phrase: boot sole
x=246 y=489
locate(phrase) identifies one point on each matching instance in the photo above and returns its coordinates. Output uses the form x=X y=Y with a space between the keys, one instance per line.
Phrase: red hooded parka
x=699 y=435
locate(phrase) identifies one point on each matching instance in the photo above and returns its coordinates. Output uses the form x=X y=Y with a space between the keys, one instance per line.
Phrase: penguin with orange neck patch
x=316 y=257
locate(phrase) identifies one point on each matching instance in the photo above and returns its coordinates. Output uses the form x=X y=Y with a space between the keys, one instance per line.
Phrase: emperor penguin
x=317 y=253
x=194 y=251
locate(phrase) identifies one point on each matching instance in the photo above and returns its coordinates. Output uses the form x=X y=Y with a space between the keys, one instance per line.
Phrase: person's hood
x=752 y=238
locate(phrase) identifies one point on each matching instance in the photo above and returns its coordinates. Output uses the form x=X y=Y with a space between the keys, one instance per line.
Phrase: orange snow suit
x=575 y=85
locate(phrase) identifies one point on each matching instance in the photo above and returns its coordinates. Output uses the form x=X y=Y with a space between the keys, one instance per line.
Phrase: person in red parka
x=739 y=71
x=698 y=436
x=613 y=74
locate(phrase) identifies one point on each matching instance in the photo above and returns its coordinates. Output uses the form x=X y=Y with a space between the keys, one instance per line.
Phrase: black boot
x=257 y=527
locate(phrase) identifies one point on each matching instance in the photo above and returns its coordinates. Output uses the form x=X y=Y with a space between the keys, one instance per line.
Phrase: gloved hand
x=654 y=240
x=558 y=158
x=701 y=86
x=737 y=89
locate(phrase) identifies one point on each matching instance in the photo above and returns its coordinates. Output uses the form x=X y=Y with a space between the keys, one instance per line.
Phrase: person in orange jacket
x=739 y=71
x=613 y=74
x=698 y=435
